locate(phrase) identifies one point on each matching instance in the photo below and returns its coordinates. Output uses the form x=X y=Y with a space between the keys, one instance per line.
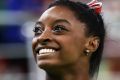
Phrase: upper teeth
x=46 y=51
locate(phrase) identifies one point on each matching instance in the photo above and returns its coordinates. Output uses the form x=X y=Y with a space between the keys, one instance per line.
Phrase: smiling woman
x=68 y=41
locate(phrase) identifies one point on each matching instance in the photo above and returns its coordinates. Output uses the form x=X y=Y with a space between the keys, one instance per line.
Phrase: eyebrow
x=38 y=22
x=56 y=21
x=61 y=20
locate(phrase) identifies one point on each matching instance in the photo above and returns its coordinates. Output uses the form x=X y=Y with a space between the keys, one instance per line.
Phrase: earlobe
x=92 y=43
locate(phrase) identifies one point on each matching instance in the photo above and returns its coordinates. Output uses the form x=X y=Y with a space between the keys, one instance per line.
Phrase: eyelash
x=37 y=31
x=58 y=29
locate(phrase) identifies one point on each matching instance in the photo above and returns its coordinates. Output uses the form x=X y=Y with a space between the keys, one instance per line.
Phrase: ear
x=92 y=43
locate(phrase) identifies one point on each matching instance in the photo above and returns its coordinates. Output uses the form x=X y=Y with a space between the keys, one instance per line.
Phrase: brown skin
x=69 y=62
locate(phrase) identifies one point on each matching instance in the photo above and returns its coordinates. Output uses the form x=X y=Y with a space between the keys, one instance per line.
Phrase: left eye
x=59 y=28
x=37 y=31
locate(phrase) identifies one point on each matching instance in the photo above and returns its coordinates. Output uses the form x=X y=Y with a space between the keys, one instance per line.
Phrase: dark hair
x=94 y=24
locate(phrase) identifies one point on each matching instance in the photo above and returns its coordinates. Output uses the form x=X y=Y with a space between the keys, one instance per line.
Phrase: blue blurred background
x=17 y=18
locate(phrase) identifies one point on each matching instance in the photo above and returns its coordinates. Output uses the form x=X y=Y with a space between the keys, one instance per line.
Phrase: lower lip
x=45 y=55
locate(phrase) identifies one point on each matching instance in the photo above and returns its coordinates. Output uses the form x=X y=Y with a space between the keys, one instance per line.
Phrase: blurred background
x=17 y=18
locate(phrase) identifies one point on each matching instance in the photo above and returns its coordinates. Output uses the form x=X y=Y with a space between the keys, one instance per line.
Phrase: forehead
x=57 y=12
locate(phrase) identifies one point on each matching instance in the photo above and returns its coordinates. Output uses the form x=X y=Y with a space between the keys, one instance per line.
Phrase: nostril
x=45 y=42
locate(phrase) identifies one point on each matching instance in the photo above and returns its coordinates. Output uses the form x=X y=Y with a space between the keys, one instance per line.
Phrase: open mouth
x=46 y=50
x=43 y=51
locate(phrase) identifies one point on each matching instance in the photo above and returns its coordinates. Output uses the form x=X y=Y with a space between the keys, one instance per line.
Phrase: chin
x=48 y=64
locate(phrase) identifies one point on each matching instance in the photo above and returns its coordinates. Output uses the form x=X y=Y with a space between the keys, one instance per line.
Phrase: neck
x=68 y=77
x=69 y=73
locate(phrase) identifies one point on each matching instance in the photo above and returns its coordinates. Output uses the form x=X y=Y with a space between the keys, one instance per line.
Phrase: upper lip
x=45 y=47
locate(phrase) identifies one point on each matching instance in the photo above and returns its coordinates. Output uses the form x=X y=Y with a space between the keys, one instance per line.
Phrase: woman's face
x=65 y=37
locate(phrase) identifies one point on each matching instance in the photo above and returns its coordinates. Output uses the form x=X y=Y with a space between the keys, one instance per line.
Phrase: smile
x=44 y=51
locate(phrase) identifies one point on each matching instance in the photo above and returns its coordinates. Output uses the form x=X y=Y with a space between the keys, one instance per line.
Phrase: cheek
x=74 y=44
x=71 y=48
x=34 y=42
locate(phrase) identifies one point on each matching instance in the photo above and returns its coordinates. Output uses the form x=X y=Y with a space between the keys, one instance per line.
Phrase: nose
x=45 y=37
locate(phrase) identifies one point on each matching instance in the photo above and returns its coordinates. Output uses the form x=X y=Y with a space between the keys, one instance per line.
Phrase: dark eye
x=59 y=29
x=37 y=31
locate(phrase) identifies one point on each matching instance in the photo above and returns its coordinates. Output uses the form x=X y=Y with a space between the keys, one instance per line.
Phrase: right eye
x=58 y=29
x=37 y=31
